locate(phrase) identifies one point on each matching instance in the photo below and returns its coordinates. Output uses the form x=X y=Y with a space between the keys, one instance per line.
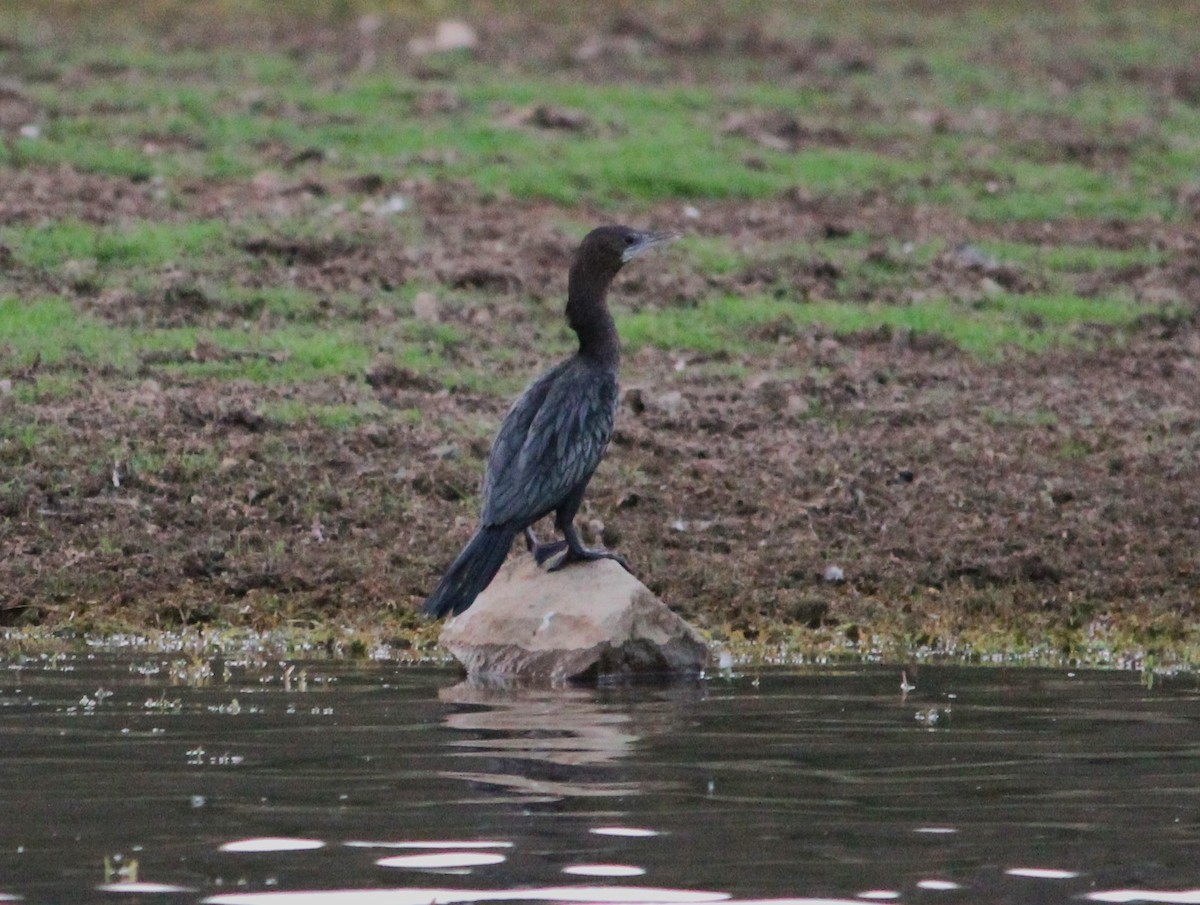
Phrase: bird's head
x=606 y=249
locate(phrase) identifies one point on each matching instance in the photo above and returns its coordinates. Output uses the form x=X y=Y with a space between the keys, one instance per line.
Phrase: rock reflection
x=572 y=740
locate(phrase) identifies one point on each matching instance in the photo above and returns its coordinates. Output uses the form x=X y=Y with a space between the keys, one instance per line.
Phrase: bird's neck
x=589 y=317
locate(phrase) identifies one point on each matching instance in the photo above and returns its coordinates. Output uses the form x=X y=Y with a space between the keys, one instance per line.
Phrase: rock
x=449 y=35
x=585 y=621
x=425 y=308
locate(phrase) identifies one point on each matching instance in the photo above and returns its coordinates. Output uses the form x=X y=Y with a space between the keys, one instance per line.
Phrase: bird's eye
x=629 y=240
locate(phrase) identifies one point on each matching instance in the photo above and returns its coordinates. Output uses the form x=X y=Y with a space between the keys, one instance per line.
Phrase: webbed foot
x=542 y=553
x=583 y=554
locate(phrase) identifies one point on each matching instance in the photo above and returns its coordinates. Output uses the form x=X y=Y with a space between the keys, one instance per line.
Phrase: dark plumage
x=555 y=434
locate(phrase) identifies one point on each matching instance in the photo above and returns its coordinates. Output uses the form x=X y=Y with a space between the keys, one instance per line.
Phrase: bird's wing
x=551 y=440
x=506 y=447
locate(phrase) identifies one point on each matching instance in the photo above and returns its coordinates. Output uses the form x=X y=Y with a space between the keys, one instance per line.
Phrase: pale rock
x=670 y=403
x=991 y=288
x=449 y=35
x=368 y=33
x=796 y=405
x=425 y=307
x=393 y=204
x=584 y=621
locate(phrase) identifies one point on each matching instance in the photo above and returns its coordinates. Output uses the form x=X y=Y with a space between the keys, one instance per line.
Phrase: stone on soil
x=588 y=620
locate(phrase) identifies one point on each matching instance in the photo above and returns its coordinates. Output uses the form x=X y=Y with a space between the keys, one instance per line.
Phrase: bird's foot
x=543 y=553
x=583 y=554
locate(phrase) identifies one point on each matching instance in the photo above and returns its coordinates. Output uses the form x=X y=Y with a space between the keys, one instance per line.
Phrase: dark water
x=979 y=785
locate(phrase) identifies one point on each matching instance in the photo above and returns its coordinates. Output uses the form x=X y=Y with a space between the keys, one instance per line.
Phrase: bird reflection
x=547 y=745
x=542 y=744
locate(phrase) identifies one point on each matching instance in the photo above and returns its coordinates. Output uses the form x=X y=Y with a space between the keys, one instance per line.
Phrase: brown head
x=602 y=253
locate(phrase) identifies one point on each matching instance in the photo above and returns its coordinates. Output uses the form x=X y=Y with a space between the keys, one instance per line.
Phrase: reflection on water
x=431 y=843
x=226 y=781
x=604 y=870
x=544 y=745
x=133 y=886
x=634 y=832
x=1179 y=897
x=442 y=860
x=272 y=844
x=1041 y=873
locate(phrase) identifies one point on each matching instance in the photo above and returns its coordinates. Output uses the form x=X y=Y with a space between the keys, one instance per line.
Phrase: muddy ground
x=1035 y=502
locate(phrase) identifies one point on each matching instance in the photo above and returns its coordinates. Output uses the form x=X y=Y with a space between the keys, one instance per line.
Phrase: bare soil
x=1060 y=484
x=846 y=486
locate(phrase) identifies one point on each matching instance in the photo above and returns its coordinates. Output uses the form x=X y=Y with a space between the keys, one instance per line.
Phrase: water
x=158 y=778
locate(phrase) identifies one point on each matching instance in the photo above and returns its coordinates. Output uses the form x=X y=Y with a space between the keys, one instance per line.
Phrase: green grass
x=1070 y=259
x=712 y=255
x=228 y=113
x=139 y=244
x=1050 y=191
x=79 y=150
x=1009 y=323
x=338 y=417
x=284 y=355
x=52 y=332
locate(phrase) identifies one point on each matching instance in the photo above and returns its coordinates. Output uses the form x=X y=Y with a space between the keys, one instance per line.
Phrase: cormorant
x=554 y=435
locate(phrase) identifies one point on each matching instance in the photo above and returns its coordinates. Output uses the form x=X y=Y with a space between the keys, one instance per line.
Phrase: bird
x=555 y=434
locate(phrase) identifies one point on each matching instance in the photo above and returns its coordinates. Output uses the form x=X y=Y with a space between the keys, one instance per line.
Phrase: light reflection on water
x=237 y=781
x=272 y=844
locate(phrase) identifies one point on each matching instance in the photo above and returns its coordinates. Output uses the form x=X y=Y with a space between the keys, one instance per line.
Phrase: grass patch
x=337 y=417
x=712 y=255
x=287 y=354
x=51 y=331
x=1050 y=191
x=80 y=152
x=1071 y=258
x=227 y=114
x=140 y=244
x=1025 y=323
x=645 y=143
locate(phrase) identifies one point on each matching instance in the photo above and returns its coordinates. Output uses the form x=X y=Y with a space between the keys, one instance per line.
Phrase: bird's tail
x=471 y=572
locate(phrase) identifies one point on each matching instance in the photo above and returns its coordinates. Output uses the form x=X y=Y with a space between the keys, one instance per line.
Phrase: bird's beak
x=645 y=243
